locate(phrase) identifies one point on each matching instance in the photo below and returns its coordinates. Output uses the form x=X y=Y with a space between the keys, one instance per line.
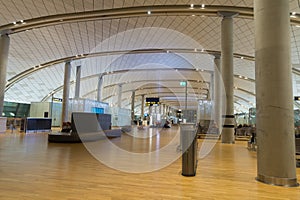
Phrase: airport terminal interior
x=149 y=99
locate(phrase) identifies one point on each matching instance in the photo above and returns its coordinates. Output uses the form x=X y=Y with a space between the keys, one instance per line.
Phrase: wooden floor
x=31 y=168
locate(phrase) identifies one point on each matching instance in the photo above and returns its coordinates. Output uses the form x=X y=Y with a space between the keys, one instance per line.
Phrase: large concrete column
x=77 y=86
x=119 y=96
x=4 y=48
x=217 y=97
x=132 y=105
x=227 y=75
x=142 y=106
x=66 y=90
x=99 y=89
x=274 y=99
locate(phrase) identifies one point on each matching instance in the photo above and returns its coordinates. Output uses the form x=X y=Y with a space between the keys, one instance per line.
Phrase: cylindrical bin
x=189 y=149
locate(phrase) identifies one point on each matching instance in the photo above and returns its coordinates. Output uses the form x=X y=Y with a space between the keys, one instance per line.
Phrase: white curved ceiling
x=164 y=32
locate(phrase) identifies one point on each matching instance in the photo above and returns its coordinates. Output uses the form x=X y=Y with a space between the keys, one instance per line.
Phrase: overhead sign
x=57 y=99
x=150 y=101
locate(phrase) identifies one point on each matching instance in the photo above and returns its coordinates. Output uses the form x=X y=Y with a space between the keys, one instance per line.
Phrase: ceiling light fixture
x=192 y=6
x=149 y=12
x=242 y=57
x=293 y=15
x=202 y=6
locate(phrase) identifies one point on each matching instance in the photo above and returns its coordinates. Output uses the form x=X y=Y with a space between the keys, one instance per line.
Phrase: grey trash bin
x=188 y=139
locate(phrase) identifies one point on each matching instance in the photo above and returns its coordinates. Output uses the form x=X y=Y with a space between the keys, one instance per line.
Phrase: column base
x=286 y=182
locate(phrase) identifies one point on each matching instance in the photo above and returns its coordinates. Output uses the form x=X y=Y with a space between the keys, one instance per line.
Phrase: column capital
x=5 y=32
x=226 y=14
x=217 y=55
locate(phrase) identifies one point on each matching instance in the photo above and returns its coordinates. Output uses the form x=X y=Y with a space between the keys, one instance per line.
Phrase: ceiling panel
x=38 y=46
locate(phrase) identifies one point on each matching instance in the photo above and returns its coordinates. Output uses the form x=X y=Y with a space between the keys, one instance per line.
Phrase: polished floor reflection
x=31 y=168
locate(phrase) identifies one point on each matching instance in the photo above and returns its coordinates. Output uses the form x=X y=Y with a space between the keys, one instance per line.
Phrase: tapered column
x=227 y=75
x=142 y=106
x=132 y=105
x=217 y=92
x=66 y=91
x=77 y=86
x=160 y=109
x=274 y=99
x=119 y=96
x=211 y=87
x=4 y=48
x=99 y=89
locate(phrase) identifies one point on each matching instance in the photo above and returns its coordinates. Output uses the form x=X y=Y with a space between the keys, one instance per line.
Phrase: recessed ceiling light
x=193 y=15
x=202 y=6
x=202 y=50
x=242 y=57
x=195 y=49
x=14 y=23
x=192 y=6
x=240 y=76
x=149 y=12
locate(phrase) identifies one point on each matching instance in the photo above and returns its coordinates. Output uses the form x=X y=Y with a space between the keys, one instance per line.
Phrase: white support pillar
x=211 y=87
x=274 y=98
x=77 y=86
x=227 y=75
x=66 y=91
x=99 y=89
x=142 y=106
x=217 y=97
x=4 y=49
x=119 y=95
x=132 y=105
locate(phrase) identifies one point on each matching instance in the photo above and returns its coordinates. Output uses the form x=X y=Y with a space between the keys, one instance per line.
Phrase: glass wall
x=15 y=110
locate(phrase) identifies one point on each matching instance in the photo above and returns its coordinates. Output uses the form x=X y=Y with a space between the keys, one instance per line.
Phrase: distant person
x=167 y=124
x=66 y=127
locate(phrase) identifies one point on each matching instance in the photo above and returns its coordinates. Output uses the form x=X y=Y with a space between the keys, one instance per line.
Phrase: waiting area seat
x=86 y=127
